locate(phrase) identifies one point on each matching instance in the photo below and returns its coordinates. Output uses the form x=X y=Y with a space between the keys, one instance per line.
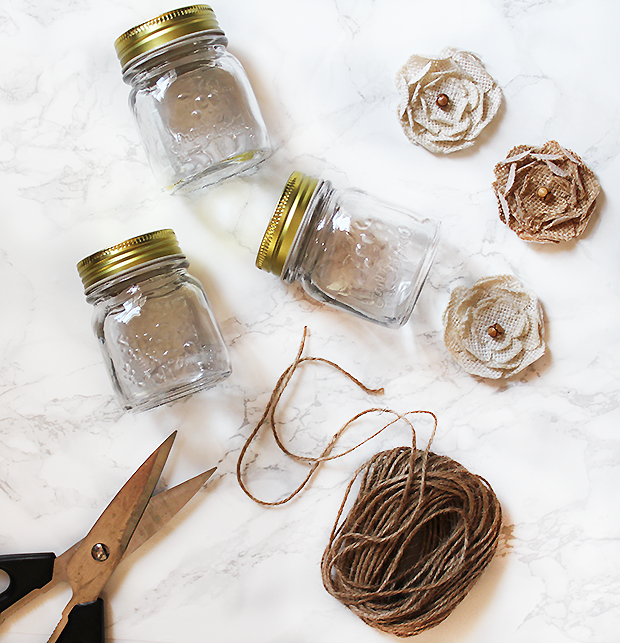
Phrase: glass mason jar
x=153 y=321
x=349 y=250
x=198 y=117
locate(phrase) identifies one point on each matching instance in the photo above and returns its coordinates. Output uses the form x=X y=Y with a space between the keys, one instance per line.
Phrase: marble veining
x=74 y=179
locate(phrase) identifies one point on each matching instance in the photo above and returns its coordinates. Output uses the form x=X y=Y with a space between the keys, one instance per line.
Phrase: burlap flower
x=545 y=193
x=494 y=329
x=447 y=101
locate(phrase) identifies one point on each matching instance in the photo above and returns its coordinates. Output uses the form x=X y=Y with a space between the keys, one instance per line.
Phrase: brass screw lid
x=164 y=29
x=285 y=222
x=127 y=255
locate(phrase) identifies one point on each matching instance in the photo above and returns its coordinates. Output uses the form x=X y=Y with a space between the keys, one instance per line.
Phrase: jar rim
x=129 y=254
x=164 y=29
x=285 y=222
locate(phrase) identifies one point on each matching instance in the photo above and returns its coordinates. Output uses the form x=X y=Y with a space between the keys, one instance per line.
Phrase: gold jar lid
x=285 y=222
x=127 y=255
x=164 y=29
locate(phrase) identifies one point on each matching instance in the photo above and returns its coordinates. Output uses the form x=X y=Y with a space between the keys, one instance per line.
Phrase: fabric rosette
x=446 y=102
x=545 y=194
x=494 y=329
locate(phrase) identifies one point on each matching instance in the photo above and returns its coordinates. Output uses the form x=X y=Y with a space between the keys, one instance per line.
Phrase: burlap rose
x=494 y=329
x=546 y=193
x=459 y=78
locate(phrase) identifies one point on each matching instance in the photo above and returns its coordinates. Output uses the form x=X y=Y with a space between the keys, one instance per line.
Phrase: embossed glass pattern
x=158 y=334
x=355 y=252
x=196 y=112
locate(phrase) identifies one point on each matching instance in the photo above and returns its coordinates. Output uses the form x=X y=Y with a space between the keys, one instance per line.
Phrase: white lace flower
x=494 y=329
x=446 y=102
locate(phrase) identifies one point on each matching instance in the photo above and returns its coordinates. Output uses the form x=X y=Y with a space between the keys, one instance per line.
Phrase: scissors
x=133 y=516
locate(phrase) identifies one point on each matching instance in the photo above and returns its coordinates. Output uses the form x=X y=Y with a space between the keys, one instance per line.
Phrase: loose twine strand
x=418 y=535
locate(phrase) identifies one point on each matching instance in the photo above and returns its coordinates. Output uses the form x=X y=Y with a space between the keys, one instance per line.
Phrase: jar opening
x=285 y=222
x=124 y=256
x=164 y=29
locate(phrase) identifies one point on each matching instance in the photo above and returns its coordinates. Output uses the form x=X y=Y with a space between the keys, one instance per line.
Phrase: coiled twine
x=418 y=535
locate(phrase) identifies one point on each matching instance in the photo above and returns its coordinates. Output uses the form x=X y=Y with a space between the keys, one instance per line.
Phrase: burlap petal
x=545 y=194
x=474 y=98
x=499 y=302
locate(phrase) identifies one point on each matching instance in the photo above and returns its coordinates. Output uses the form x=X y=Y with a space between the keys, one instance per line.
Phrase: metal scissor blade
x=103 y=548
x=161 y=508
x=164 y=506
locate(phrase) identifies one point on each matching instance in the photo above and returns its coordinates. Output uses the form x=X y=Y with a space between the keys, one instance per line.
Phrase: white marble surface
x=74 y=179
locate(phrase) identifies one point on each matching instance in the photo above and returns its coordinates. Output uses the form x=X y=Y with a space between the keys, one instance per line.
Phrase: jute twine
x=418 y=535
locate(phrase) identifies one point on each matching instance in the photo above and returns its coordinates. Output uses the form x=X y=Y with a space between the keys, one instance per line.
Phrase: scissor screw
x=100 y=552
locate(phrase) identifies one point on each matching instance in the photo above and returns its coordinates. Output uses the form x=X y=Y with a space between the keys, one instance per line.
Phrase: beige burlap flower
x=446 y=102
x=546 y=193
x=494 y=329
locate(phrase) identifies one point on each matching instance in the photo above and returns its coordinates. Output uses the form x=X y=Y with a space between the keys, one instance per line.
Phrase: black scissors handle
x=26 y=573
x=85 y=624
x=29 y=572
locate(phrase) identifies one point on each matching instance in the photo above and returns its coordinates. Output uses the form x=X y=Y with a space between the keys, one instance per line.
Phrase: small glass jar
x=153 y=321
x=197 y=115
x=349 y=250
